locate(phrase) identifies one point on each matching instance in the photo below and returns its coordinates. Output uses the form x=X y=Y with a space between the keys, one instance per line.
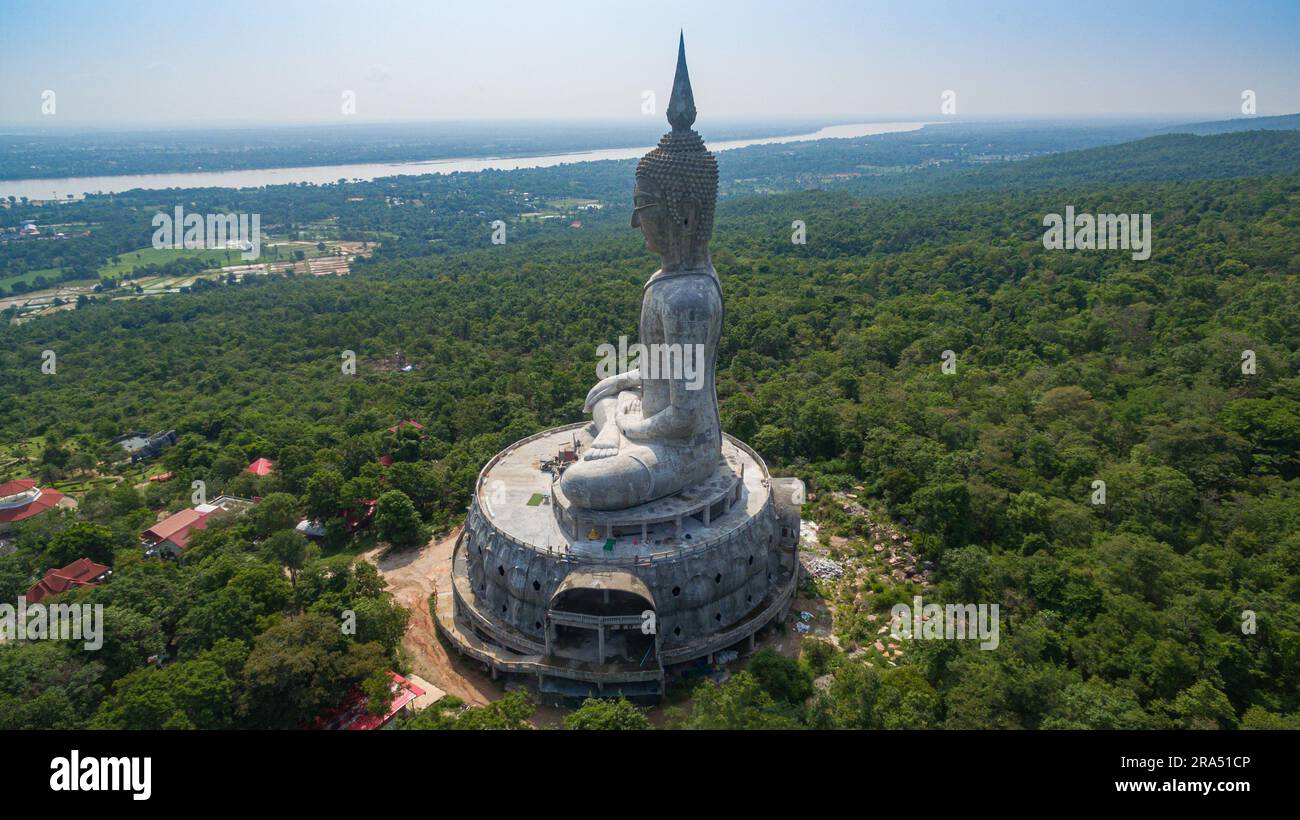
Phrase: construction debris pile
x=823 y=568
x=563 y=458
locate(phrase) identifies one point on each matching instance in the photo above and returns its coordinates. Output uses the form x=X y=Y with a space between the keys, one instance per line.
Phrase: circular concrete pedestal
x=604 y=601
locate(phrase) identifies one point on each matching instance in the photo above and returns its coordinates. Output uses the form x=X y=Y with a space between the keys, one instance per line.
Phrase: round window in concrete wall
x=677 y=591
x=677 y=630
x=537 y=585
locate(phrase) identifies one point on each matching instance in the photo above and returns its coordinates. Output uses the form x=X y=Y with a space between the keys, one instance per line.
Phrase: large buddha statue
x=655 y=428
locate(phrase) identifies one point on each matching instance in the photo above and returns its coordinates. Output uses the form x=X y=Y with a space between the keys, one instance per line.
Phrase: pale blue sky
x=281 y=61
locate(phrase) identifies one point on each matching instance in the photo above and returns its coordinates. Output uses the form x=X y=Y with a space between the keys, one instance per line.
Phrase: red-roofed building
x=387 y=459
x=82 y=572
x=405 y=423
x=22 y=499
x=352 y=714
x=356 y=521
x=263 y=466
x=172 y=535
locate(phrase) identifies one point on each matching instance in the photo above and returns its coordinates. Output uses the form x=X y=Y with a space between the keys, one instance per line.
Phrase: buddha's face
x=650 y=214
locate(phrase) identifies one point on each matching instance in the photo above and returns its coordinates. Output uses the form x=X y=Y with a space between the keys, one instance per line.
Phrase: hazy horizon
x=129 y=126
x=288 y=64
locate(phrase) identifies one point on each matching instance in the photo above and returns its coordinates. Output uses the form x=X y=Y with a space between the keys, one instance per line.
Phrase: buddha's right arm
x=611 y=385
x=631 y=380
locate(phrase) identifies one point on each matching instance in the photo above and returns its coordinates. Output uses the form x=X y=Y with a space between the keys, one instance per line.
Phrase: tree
x=967 y=569
x=130 y=638
x=378 y=690
x=1203 y=706
x=301 y=668
x=81 y=461
x=125 y=499
x=55 y=456
x=1096 y=704
x=278 y=511
x=943 y=510
x=226 y=466
x=289 y=548
x=81 y=540
x=381 y=620
x=1257 y=717
x=785 y=680
x=396 y=520
x=323 y=500
x=196 y=694
x=740 y=703
x=907 y=700
x=605 y=715
x=510 y=712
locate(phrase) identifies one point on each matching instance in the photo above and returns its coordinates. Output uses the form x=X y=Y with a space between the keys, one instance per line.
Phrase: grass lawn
x=127 y=262
x=217 y=258
x=50 y=274
x=565 y=203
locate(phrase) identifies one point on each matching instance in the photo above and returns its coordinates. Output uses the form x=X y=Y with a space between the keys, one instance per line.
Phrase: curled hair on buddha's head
x=680 y=166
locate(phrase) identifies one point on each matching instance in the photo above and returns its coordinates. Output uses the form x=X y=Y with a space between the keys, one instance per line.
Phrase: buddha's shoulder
x=688 y=284
x=689 y=298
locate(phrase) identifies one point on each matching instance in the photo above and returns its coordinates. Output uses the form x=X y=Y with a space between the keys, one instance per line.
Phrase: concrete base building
x=603 y=603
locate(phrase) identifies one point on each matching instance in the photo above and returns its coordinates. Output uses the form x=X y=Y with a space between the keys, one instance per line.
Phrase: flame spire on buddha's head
x=683 y=172
x=681 y=104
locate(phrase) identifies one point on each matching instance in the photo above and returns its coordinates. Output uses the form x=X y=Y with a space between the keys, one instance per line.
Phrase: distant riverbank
x=42 y=189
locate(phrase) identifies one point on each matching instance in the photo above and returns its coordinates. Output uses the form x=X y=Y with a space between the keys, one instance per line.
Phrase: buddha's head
x=677 y=184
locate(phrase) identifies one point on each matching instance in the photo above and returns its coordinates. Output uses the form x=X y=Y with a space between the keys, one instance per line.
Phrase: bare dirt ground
x=412 y=577
x=787 y=643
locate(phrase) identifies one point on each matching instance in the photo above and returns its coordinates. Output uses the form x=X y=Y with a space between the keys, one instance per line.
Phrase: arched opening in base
x=603 y=617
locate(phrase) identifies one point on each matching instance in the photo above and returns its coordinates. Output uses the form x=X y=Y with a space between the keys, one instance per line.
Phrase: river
x=322 y=174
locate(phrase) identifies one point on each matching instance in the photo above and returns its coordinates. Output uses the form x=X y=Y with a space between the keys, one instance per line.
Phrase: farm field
x=28 y=277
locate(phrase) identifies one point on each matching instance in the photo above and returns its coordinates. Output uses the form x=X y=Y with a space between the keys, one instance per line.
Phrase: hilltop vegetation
x=1072 y=367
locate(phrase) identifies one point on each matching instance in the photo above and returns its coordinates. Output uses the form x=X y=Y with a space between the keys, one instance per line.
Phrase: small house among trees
x=82 y=572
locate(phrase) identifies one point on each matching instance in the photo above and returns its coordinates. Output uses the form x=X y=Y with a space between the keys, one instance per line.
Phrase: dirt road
x=412 y=576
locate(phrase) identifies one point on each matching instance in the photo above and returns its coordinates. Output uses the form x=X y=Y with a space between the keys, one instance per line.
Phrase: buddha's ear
x=690 y=214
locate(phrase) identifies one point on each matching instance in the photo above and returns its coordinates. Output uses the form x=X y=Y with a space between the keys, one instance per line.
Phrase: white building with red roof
x=172 y=535
x=22 y=499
